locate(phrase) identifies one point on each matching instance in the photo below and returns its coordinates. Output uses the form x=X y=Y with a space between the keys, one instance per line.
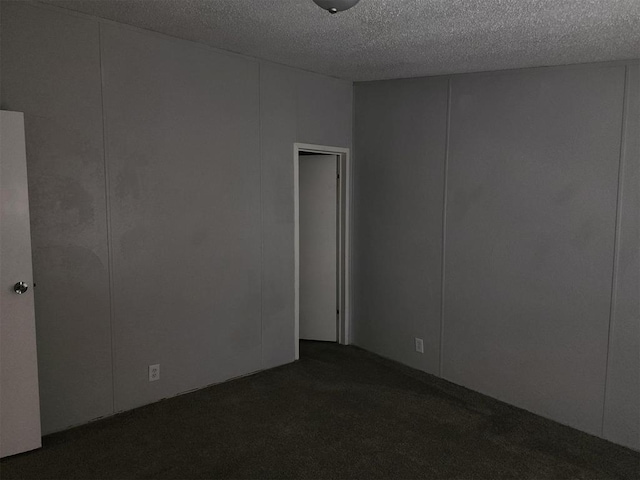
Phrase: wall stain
x=132 y=242
x=565 y=195
x=59 y=204
x=199 y=237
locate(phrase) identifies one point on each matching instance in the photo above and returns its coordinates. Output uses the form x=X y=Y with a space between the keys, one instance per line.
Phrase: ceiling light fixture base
x=335 y=6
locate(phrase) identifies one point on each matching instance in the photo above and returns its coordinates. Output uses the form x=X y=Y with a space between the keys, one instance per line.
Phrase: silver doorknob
x=20 y=288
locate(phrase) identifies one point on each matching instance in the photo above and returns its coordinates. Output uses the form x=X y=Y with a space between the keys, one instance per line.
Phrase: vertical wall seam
x=351 y=177
x=616 y=240
x=296 y=227
x=261 y=159
x=444 y=224
x=107 y=198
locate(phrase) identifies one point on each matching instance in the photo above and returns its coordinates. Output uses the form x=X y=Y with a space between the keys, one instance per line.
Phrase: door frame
x=344 y=237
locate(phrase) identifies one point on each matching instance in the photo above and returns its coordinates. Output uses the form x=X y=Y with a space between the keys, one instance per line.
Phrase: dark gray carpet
x=339 y=412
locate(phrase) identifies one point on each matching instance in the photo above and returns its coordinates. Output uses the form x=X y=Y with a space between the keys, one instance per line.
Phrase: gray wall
x=161 y=181
x=529 y=169
x=531 y=208
x=622 y=401
x=401 y=132
x=51 y=71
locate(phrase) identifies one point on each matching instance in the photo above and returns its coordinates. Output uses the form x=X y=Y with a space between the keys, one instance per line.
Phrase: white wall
x=502 y=191
x=161 y=177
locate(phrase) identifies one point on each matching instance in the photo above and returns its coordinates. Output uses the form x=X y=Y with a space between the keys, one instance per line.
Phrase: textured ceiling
x=380 y=39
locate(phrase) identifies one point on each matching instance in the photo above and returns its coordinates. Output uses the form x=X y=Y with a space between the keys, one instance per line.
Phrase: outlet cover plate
x=419 y=345
x=154 y=372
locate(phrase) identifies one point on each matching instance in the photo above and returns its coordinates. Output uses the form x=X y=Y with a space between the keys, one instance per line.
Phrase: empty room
x=320 y=239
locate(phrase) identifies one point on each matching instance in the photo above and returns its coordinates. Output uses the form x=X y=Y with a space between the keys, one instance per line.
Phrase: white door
x=318 y=247
x=19 y=397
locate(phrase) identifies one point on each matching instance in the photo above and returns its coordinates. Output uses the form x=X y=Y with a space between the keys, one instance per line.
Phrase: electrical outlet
x=419 y=345
x=154 y=372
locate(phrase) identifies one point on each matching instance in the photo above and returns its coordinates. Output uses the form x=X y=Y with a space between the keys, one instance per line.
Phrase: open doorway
x=321 y=210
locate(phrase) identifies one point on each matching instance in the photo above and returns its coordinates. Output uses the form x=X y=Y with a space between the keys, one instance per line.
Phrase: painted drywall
x=622 y=401
x=278 y=104
x=51 y=71
x=530 y=226
x=183 y=148
x=401 y=133
x=161 y=177
x=531 y=188
x=323 y=110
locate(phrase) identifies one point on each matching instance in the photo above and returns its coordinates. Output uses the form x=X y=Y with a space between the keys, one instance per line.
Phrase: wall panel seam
x=261 y=160
x=350 y=176
x=444 y=224
x=616 y=241
x=107 y=197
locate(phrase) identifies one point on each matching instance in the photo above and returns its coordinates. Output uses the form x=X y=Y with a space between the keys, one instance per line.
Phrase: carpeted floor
x=339 y=412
